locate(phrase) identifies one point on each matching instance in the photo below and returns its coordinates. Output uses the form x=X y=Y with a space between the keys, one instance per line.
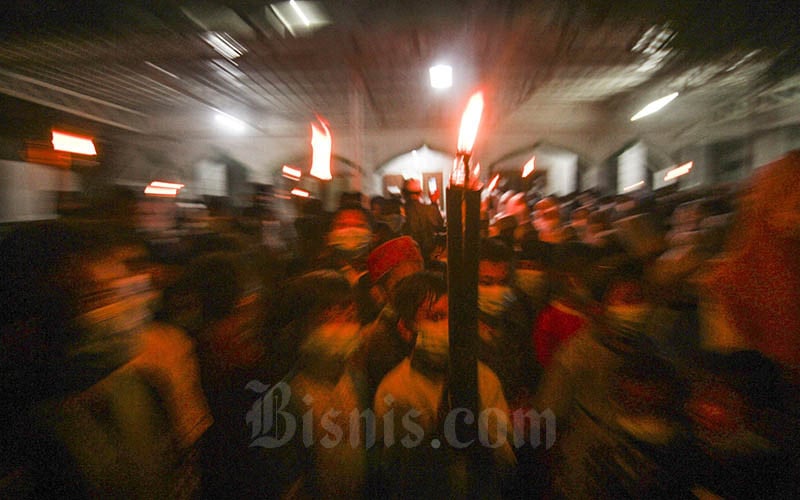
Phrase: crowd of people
x=655 y=338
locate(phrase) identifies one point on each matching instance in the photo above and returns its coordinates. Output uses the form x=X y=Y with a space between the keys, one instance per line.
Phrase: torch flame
x=469 y=123
x=528 y=168
x=321 y=146
x=493 y=183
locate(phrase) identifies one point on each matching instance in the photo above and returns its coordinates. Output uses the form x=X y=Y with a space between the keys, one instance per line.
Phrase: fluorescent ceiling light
x=300 y=17
x=299 y=11
x=441 y=76
x=73 y=144
x=168 y=185
x=302 y=193
x=230 y=123
x=159 y=68
x=224 y=44
x=679 y=171
x=291 y=172
x=633 y=187
x=654 y=106
x=160 y=191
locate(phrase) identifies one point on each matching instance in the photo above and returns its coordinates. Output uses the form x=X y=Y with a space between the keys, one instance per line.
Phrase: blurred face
x=115 y=300
x=337 y=336
x=435 y=312
x=494 y=291
x=350 y=218
x=493 y=273
x=350 y=233
x=432 y=332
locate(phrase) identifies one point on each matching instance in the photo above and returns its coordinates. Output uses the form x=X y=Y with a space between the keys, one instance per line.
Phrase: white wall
x=414 y=164
x=773 y=144
x=28 y=190
x=562 y=172
x=632 y=168
x=209 y=179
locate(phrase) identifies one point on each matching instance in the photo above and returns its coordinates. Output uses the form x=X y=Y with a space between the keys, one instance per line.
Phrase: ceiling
x=567 y=72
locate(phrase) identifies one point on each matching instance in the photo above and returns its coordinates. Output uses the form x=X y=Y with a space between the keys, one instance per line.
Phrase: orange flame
x=321 y=146
x=493 y=183
x=528 y=168
x=470 y=121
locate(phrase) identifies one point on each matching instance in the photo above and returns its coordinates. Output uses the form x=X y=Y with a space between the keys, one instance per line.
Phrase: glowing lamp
x=291 y=173
x=160 y=191
x=654 y=106
x=73 y=144
x=167 y=185
x=493 y=183
x=441 y=76
x=302 y=193
x=678 y=171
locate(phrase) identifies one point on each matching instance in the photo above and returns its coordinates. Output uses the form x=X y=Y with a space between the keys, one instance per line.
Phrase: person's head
x=647 y=396
x=517 y=207
x=412 y=189
x=546 y=215
x=208 y=291
x=317 y=312
x=495 y=274
x=392 y=215
x=350 y=199
x=579 y=218
x=530 y=273
x=625 y=301
x=391 y=262
x=376 y=205
x=422 y=310
x=570 y=266
x=350 y=231
x=65 y=285
x=597 y=222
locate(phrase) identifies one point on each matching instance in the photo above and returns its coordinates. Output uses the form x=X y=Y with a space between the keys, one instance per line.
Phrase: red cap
x=387 y=256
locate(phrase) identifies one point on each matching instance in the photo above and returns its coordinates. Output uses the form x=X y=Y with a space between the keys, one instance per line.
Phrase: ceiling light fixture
x=300 y=12
x=291 y=173
x=678 y=171
x=299 y=17
x=160 y=191
x=633 y=187
x=168 y=185
x=224 y=44
x=230 y=123
x=73 y=144
x=654 y=106
x=441 y=76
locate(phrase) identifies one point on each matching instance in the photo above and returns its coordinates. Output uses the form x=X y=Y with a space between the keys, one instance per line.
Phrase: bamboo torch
x=463 y=240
